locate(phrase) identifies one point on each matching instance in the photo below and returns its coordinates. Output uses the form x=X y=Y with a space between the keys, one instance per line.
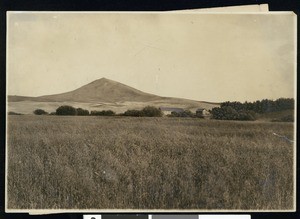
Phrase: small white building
x=202 y=112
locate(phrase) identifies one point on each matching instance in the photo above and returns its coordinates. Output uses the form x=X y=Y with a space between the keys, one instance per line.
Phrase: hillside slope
x=103 y=90
x=102 y=94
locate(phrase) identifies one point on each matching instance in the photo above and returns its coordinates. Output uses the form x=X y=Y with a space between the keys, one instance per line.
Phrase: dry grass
x=148 y=163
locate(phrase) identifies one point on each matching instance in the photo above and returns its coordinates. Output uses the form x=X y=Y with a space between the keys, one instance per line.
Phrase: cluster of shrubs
x=103 y=113
x=14 y=113
x=148 y=111
x=186 y=113
x=40 y=112
x=82 y=112
x=72 y=111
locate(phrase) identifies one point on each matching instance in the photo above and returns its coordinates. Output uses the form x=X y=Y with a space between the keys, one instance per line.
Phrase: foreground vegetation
x=148 y=163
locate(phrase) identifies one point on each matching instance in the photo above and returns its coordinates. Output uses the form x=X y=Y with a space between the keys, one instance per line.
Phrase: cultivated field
x=148 y=163
x=27 y=107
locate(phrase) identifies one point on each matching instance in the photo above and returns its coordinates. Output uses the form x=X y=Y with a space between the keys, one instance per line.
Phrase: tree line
x=148 y=111
x=248 y=110
x=262 y=106
x=227 y=111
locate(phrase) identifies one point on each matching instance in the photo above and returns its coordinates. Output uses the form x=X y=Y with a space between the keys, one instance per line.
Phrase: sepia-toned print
x=151 y=111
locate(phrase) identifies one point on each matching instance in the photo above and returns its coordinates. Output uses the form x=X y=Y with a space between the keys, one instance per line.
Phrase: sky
x=200 y=56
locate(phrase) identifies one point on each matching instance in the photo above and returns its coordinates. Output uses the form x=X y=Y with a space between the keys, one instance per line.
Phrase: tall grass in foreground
x=148 y=163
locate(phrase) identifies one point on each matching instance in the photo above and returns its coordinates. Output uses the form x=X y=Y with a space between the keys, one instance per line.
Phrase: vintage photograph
x=148 y=111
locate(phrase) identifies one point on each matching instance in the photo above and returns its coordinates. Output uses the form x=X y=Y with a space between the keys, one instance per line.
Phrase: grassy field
x=148 y=163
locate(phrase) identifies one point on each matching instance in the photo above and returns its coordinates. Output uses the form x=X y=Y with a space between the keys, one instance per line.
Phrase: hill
x=103 y=90
x=102 y=94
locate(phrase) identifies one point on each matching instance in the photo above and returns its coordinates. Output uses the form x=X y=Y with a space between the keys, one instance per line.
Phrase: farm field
x=57 y=162
x=27 y=107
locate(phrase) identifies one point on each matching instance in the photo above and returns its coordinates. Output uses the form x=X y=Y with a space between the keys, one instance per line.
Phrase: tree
x=247 y=115
x=151 y=111
x=66 y=111
x=185 y=113
x=224 y=113
x=103 y=113
x=148 y=111
x=40 y=112
x=229 y=113
x=285 y=103
x=82 y=112
x=135 y=113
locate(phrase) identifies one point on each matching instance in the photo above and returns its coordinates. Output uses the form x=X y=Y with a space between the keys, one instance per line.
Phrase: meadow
x=61 y=162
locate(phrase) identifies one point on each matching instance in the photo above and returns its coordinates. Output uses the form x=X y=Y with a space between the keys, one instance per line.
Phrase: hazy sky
x=212 y=57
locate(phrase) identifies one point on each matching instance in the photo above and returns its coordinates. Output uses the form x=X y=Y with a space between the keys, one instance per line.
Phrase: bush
x=150 y=111
x=103 y=113
x=185 y=113
x=52 y=113
x=14 y=113
x=82 y=112
x=66 y=111
x=40 y=112
x=135 y=113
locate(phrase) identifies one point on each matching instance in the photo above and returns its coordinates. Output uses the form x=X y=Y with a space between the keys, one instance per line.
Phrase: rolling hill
x=103 y=90
x=102 y=94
